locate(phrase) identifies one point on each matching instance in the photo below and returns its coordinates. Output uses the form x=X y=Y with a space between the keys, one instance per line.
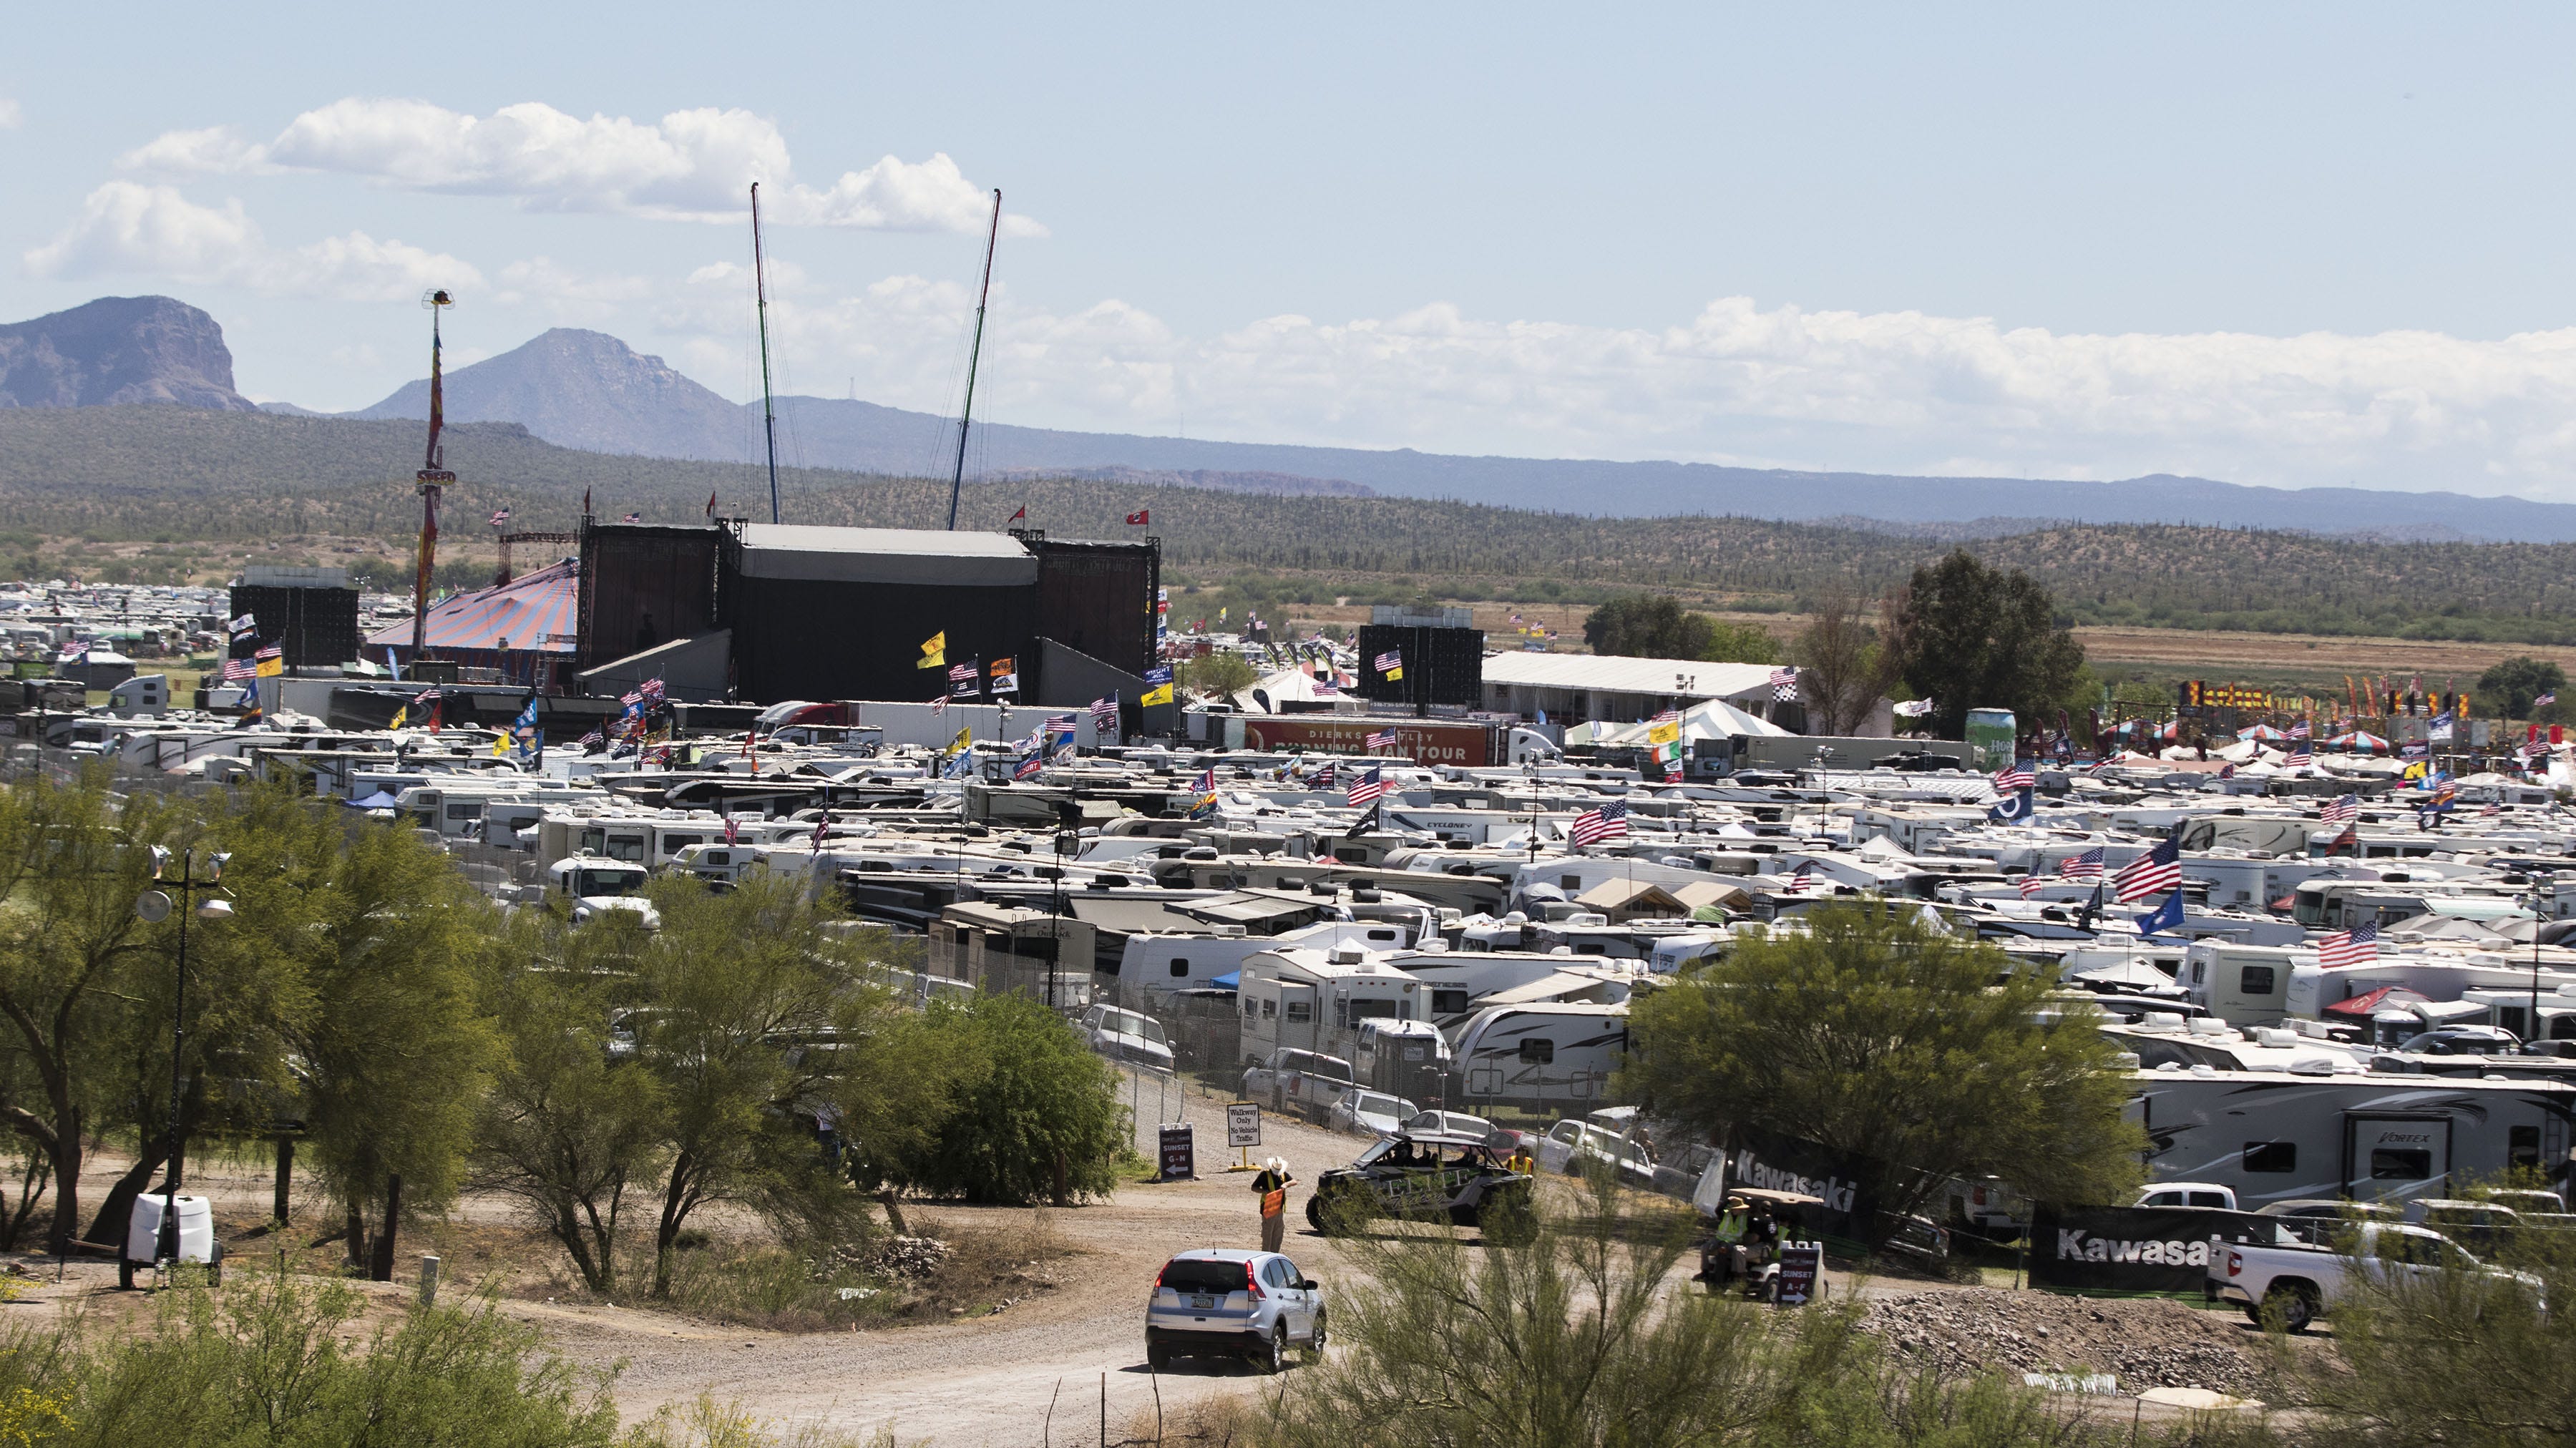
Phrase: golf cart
x=1428 y=1176
x=1754 y=1267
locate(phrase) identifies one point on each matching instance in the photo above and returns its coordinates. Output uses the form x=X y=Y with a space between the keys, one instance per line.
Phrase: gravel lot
x=2145 y=1342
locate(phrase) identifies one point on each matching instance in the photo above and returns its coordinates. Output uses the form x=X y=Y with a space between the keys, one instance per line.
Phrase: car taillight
x=2235 y=1264
x=1251 y=1283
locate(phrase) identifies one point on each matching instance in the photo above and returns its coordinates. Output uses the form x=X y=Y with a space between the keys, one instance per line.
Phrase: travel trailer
x=2276 y=1136
x=1538 y=1055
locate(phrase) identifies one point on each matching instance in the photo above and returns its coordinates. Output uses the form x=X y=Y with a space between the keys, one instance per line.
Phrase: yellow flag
x=1159 y=694
x=1665 y=733
x=400 y=715
x=934 y=651
x=965 y=739
x=500 y=746
x=272 y=667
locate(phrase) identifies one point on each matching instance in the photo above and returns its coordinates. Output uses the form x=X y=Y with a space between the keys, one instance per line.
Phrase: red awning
x=2368 y=1001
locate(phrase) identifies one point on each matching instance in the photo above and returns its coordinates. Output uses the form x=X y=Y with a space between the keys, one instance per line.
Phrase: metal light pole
x=2539 y=905
x=154 y=907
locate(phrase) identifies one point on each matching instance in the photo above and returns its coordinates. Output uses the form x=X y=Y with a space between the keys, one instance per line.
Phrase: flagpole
x=965 y=413
x=760 y=291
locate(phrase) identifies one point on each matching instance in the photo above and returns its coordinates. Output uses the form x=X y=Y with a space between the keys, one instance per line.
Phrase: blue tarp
x=1231 y=980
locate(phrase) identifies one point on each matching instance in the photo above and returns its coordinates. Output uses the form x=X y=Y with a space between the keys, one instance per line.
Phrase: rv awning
x=2388 y=995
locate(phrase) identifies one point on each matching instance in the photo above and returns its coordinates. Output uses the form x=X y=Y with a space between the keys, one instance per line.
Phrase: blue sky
x=2311 y=245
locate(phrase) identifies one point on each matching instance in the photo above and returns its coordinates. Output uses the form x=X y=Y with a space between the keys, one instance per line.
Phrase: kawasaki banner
x=1767 y=1161
x=2132 y=1249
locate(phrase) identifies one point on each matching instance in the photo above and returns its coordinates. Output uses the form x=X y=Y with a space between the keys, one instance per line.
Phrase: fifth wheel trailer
x=2282 y=1135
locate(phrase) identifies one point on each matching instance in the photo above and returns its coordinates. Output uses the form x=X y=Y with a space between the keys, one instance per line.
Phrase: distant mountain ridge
x=119 y=350
x=589 y=390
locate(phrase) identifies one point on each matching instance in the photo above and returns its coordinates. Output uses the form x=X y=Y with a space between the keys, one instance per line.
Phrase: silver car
x=1224 y=1302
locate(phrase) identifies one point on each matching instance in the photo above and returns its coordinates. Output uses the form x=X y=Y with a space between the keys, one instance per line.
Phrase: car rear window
x=1201 y=1275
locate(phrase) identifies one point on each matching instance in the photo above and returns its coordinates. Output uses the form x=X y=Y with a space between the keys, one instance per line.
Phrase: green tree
x=1969 y=636
x=1030 y=1113
x=387 y=944
x=1653 y=626
x=1925 y=1054
x=573 y=1121
x=1843 y=670
x=749 y=1007
x=1576 y=1339
x=2510 y=687
x=1221 y=673
x=81 y=976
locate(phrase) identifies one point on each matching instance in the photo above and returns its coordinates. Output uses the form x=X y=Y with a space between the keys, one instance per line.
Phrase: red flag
x=585 y=502
x=1020 y=516
x=711 y=505
x=1137 y=517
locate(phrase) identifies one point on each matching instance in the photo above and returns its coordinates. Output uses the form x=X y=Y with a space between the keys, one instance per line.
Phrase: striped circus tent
x=532 y=619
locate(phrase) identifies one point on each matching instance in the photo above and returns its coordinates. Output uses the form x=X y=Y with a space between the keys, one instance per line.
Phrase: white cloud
x=124 y=227
x=691 y=165
x=1736 y=383
x=569 y=295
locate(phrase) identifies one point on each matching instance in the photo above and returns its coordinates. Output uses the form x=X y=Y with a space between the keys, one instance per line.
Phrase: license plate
x=1202 y=1303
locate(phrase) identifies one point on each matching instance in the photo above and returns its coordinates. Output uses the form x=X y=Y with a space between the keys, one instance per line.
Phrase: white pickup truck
x=2305 y=1281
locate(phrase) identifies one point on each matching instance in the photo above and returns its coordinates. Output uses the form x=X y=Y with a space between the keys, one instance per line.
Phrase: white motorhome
x=1538 y=1055
x=1460 y=982
x=1159 y=961
x=2243 y=985
x=2282 y=1135
x=1316 y=1001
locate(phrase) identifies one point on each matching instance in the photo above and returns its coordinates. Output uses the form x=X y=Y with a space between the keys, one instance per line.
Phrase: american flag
x=273 y=651
x=2032 y=884
x=2350 y=839
x=2544 y=698
x=1327 y=777
x=965 y=673
x=1804 y=879
x=1381 y=741
x=939 y=706
x=633 y=518
x=2349 y=947
x=651 y=689
x=1784 y=684
x=2152 y=873
x=1368 y=788
x=500 y=517
x=733 y=830
x=236 y=670
x=594 y=737
x=1607 y=821
x=1104 y=712
x=2490 y=807
x=2342 y=810
x=2299 y=730
x=2086 y=866
x=1057 y=724
x=2300 y=756
x=1669 y=716
x=1390 y=661
x=2019 y=776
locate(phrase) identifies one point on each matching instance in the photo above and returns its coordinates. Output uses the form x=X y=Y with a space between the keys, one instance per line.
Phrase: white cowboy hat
x=1276 y=1164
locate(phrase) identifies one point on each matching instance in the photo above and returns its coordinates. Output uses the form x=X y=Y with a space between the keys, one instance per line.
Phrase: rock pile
x=890 y=1257
x=2146 y=1343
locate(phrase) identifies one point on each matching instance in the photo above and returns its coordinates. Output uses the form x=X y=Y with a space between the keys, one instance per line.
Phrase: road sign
x=1242 y=1124
x=1802 y=1269
x=1179 y=1152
